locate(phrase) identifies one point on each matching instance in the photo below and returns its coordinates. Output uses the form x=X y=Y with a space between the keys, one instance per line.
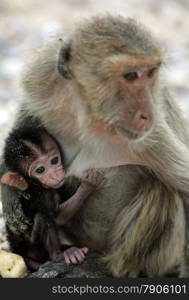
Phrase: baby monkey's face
x=47 y=167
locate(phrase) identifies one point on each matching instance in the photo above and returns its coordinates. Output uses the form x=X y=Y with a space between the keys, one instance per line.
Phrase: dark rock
x=90 y=268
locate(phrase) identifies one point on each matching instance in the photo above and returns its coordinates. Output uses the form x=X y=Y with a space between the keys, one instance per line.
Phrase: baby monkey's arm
x=90 y=180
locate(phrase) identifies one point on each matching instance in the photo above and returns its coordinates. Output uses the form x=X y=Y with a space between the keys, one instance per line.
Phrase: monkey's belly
x=89 y=235
x=93 y=223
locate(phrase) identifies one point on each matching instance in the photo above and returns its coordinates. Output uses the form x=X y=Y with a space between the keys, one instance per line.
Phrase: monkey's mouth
x=59 y=184
x=132 y=135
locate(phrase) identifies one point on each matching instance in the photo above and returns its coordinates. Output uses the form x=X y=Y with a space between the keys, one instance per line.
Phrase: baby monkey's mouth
x=59 y=184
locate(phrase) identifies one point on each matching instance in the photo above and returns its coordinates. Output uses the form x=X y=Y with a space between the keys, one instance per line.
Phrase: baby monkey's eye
x=40 y=170
x=54 y=160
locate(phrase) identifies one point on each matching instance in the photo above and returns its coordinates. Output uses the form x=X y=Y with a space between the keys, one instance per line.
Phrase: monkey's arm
x=68 y=209
x=90 y=181
x=175 y=156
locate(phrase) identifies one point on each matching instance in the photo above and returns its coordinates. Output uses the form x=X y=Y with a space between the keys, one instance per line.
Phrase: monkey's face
x=115 y=63
x=122 y=105
x=134 y=98
x=47 y=167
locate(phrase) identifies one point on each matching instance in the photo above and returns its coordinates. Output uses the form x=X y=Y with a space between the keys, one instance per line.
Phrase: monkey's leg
x=32 y=264
x=35 y=255
x=21 y=245
x=52 y=244
x=149 y=234
x=38 y=229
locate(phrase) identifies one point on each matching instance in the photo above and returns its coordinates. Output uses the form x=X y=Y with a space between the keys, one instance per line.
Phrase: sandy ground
x=25 y=25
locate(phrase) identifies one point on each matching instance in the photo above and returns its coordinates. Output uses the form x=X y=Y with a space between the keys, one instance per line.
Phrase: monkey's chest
x=38 y=201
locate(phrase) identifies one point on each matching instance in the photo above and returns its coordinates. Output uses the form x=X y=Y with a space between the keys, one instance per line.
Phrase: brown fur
x=138 y=213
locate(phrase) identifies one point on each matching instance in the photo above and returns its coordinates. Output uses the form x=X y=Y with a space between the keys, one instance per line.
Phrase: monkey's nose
x=142 y=120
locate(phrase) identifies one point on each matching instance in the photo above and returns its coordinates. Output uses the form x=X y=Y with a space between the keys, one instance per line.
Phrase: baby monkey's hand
x=94 y=177
x=75 y=255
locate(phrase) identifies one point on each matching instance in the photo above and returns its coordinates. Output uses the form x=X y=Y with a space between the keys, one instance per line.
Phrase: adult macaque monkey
x=100 y=93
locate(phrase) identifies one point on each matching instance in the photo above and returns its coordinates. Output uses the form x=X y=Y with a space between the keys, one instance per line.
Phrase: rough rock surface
x=90 y=268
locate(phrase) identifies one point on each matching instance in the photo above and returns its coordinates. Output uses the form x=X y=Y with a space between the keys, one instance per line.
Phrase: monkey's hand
x=75 y=255
x=94 y=177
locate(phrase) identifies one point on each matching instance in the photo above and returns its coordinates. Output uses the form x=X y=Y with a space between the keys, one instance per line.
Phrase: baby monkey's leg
x=45 y=231
x=52 y=244
x=32 y=264
x=72 y=255
x=38 y=229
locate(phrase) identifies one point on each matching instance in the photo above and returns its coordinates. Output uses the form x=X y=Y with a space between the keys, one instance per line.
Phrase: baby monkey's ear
x=14 y=179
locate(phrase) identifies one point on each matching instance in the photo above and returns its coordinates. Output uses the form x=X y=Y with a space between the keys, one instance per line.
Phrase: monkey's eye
x=40 y=170
x=130 y=76
x=54 y=160
x=151 y=72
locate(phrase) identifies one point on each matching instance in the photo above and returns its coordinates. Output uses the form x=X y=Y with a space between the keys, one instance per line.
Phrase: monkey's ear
x=63 y=61
x=15 y=180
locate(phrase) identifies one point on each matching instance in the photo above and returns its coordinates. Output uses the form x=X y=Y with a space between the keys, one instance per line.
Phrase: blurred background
x=27 y=24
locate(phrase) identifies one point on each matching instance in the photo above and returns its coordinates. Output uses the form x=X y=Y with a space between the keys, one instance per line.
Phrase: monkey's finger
x=79 y=256
x=73 y=259
x=81 y=253
x=85 y=250
x=67 y=259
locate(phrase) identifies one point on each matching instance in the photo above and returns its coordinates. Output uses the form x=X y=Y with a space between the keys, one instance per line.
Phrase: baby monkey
x=36 y=169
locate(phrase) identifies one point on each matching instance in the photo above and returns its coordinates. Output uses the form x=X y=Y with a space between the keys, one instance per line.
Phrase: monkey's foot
x=75 y=255
x=32 y=264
